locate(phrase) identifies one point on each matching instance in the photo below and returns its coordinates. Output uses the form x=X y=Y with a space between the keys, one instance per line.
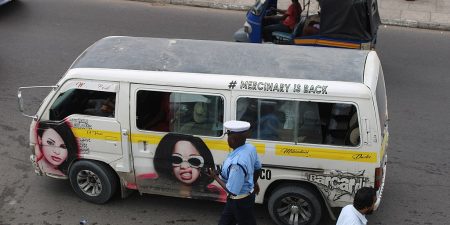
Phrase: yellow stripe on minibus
x=260 y=148
x=217 y=145
x=151 y=139
x=96 y=134
x=325 y=153
x=211 y=144
x=223 y=146
x=280 y=150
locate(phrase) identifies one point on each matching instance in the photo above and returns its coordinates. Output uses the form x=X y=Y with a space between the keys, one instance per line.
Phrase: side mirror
x=20 y=99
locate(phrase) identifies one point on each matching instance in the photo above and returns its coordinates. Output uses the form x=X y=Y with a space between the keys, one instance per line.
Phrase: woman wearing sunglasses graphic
x=185 y=159
x=186 y=162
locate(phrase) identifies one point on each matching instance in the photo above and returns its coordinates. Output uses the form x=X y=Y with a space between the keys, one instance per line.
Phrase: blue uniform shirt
x=238 y=168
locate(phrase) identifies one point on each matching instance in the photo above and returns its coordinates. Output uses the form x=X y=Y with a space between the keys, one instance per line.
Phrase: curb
x=200 y=3
x=416 y=24
x=241 y=7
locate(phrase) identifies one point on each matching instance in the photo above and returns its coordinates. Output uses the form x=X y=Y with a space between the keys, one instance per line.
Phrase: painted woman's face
x=53 y=147
x=186 y=162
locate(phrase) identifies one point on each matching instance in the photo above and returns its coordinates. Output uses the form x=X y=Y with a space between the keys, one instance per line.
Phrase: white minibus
x=116 y=118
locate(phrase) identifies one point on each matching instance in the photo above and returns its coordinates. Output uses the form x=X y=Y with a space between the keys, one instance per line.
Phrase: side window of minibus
x=269 y=119
x=85 y=102
x=310 y=123
x=328 y=123
x=196 y=114
x=341 y=126
x=300 y=122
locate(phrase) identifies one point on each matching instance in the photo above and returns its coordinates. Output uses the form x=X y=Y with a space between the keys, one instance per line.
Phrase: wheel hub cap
x=294 y=210
x=89 y=183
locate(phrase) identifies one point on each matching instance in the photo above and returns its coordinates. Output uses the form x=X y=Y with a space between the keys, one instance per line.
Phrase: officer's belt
x=236 y=197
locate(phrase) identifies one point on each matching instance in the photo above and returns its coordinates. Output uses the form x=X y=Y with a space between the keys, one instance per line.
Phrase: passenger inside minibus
x=300 y=122
x=193 y=114
x=84 y=102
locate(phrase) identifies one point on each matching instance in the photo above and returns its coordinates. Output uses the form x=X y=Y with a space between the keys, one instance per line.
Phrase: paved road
x=417 y=75
x=40 y=39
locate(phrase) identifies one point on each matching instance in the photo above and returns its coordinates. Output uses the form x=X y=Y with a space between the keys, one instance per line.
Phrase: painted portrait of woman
x=56 y=148
x=184 y=160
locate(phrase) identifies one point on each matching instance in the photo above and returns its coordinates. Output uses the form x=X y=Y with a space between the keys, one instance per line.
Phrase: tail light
x=378 y=177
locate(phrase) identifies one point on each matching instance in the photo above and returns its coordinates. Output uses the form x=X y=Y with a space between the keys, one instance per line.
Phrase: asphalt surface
x=40 y=39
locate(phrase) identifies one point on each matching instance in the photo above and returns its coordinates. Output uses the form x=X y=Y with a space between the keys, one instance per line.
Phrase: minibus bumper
x=381 y=189
x=37 y=170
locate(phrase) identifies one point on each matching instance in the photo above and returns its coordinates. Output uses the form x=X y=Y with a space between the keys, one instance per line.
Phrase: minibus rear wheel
x=294 y=205
x=93 y=181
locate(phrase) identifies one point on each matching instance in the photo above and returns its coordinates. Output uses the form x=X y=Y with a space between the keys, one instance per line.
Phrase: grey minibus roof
x=229 y=58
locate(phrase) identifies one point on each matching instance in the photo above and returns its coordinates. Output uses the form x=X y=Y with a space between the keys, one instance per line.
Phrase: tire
x=288 y=203
x=93 y=181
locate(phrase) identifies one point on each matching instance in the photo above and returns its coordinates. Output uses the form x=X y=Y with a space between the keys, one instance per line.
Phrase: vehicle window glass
x=258 y=7
x=381 y=102
x=86 y=102
x=300 y=122
x=341 y=124
x=194 y=114
x=270 y=119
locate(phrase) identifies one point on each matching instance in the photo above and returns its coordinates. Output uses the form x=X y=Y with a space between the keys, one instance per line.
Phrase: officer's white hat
x=236 y=126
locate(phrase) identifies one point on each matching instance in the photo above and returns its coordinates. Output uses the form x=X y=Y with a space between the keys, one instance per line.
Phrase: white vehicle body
x=220 y=74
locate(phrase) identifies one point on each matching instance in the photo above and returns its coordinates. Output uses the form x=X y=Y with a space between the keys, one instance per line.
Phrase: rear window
x=381 y=102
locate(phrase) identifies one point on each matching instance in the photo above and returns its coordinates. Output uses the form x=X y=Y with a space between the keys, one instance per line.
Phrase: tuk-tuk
x=344 y=23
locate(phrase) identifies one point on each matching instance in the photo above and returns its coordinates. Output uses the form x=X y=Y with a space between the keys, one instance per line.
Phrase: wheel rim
x=294 y=210
x=89 y=183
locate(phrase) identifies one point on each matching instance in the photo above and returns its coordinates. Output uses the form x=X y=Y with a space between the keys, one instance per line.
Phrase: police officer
x=239 y=176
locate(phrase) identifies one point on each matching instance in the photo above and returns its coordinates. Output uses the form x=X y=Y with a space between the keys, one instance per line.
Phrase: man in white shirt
x=363 y=204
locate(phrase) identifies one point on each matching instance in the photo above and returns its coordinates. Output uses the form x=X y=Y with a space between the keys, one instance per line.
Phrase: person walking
x=363 y=204
x=239 y=176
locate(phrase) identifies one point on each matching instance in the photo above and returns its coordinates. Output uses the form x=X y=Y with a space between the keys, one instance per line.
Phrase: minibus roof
x=227 y=58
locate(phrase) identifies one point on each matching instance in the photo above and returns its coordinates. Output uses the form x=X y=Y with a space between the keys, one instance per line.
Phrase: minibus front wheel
x=294 y=205
x=93 y=181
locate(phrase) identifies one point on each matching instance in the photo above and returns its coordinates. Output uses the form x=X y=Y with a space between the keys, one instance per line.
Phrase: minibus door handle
x=367 y=134
x=124 y=166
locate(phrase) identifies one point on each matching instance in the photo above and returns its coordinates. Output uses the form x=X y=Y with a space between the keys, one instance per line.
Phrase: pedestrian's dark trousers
x=239 y=211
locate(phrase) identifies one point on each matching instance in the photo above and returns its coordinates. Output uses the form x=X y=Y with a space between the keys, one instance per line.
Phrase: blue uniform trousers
x=239 y=211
